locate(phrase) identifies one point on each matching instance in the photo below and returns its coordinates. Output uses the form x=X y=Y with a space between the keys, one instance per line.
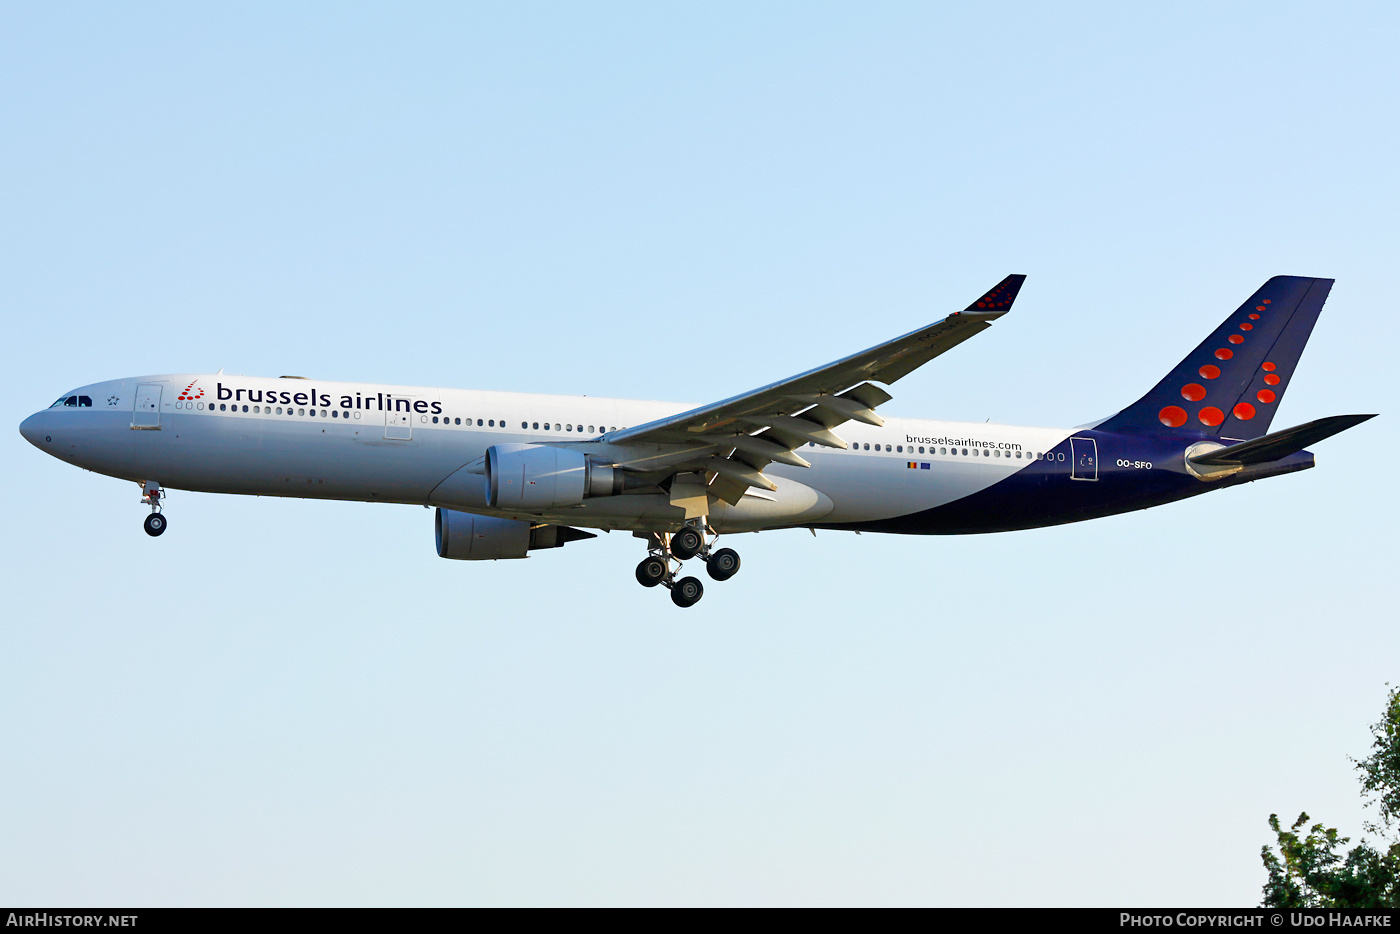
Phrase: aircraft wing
x=731 y=441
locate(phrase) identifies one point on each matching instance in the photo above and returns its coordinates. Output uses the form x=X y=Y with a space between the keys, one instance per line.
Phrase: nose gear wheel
x=155 y=523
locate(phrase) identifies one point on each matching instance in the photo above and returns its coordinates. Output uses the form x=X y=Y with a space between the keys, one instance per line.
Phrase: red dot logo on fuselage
x=189 y=394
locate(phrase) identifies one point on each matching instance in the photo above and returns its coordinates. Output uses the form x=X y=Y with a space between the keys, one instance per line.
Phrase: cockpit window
x=85 y=402
x=65 y=400
x=73 y=402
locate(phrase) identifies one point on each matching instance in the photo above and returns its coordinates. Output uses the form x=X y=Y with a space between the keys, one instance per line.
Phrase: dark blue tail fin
x=1231 y=384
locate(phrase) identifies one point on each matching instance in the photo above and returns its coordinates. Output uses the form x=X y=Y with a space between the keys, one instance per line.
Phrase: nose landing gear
x=687 y=543
x=155 y=523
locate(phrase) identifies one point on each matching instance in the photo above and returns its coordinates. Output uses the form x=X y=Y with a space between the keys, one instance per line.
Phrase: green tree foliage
x=1380 y=772
x=1309 y=870
x=1313 y=874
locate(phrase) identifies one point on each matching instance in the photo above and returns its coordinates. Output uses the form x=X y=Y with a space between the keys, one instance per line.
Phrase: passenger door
x=145 y=412
x=1084 y=452
x=398 y=418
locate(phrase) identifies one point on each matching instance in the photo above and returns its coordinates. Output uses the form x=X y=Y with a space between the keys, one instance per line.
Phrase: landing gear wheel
x=723 y=564
x=651 y=572
x=687 y=591
x=155 y=524
x=686 y=544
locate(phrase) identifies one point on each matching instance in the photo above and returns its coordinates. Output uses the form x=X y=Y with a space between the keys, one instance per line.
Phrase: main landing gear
x=662 y=548
x=155 y=523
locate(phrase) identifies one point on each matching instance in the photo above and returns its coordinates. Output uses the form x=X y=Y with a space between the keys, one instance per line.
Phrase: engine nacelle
x=540 y=476
x=465 y=536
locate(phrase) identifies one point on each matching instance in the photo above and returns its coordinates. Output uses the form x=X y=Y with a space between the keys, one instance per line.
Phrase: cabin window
x=590 y=429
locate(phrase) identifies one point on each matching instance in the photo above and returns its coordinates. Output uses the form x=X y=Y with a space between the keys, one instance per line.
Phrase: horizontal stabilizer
x=1280 y=444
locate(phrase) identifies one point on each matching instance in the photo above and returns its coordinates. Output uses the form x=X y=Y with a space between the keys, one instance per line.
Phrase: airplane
x=511 y=473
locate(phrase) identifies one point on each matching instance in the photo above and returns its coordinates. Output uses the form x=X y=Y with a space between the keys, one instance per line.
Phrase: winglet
x=1000 y=297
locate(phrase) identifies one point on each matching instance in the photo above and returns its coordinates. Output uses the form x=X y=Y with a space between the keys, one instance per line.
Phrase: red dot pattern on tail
x=1173 y=416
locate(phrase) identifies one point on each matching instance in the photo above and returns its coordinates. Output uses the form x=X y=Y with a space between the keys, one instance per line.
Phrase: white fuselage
x=405 y=444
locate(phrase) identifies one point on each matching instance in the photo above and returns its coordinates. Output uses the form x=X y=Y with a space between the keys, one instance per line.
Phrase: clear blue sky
x=286 y=702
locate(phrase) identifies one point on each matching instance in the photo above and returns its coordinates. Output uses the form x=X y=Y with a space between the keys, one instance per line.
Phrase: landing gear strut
x=686 y=543
x=155 y=523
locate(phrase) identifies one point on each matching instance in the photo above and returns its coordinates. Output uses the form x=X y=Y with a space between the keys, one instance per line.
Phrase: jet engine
x=540 y=476
x=465 y=536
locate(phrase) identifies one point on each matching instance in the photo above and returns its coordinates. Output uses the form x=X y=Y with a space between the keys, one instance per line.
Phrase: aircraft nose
x=35 y=428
